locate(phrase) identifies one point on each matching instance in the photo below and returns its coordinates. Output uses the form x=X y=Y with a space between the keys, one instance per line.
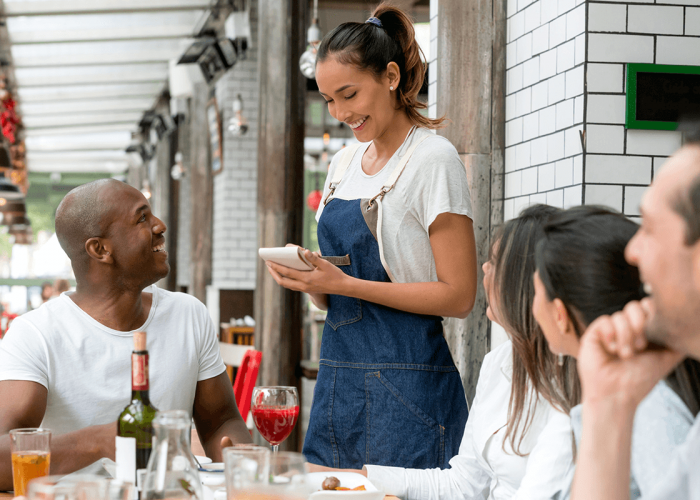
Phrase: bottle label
x=139 y=372
x=125 y=453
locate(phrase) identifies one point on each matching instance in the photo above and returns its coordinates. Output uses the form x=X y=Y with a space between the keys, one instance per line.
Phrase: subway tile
x=557 y=89
x=607 y=17
x=573 y=196
x=538 y=198
x=679 y=2
x=529 y=181
x=572 y=141
x=434 y=28
x=610 y=196
x=514 y=132
x=510 y=159
x=606 y=109
x=557 y=31
x=655 y=19
x=530 y=126
x=524 y=48
x=580 y=55
x=564 y=173
x=511 y=55
x=605 y=139
x=520 y=204
x=678 y=50
x=633 y=198
x=658 y=163
x=604 y=47
x=531 y=71
x=545 y=177
x=538 y=151
x=576 y=22
x=556 y=198
x=540 y=39
x=608 y=169
x=540 y=95
x=434 y=8
x=548 y=64
x=604 y=77
x=548 y=10
x=555 y=146
x=522 y=4
x=514 y=79
x=565 y=6
x=653 y=142
x=574 y=82
x=513 y=182
x=523 y=102
x=565 y=114
x=433 y=50
x=532 y=17
x=566 y=56
x=548 y=117
x=578 y=109
x=522 y=156
x=692 y=21
x=578 y=169
x=508 y=204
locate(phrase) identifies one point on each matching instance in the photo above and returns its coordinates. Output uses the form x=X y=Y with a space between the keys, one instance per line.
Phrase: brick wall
x=621 y=163
x=235 y=189
x=545 y=58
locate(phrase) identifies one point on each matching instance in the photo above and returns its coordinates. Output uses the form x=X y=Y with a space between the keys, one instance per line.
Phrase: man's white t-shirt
x=86 y=366
x=433 y=182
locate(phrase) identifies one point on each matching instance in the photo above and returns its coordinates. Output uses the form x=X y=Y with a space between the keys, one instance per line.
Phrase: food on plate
x=333 y=484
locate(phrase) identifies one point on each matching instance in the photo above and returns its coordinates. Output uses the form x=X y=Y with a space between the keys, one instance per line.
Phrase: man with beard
x=623 y=357
x=66 y=365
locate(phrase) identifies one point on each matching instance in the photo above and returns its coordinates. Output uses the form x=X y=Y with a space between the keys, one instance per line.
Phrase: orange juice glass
x=31 y=456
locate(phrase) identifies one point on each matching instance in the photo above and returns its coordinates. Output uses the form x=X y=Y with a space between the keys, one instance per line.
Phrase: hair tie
x=374 y=21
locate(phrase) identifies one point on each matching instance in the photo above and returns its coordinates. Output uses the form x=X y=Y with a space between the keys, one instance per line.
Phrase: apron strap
x=343 y=165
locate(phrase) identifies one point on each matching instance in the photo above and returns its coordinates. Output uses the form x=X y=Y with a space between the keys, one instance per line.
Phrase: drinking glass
x=247 y=468
x=288 y=476
x=74 y=487
x=31 y=456
x=275 y=412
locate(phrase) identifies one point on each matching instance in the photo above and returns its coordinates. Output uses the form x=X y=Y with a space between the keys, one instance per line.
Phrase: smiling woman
x=397 y=208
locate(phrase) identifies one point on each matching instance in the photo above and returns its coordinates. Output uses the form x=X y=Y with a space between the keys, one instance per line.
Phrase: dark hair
x=533 y=363
x=688 y=204
x=581 y=261
x=370 y=47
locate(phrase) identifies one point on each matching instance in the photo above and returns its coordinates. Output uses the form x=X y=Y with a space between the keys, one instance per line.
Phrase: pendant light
x=307 y=61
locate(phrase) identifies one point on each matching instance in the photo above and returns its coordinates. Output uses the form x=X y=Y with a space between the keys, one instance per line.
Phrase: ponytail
x=371 y=47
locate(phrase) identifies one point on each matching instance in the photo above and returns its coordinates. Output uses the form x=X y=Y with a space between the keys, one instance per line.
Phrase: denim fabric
x=388 y=392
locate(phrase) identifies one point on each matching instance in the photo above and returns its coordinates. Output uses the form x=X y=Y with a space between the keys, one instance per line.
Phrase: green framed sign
x=658 y=95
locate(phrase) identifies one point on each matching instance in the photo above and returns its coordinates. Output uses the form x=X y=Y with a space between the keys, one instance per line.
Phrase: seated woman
x=582 y=274
x=517 y=440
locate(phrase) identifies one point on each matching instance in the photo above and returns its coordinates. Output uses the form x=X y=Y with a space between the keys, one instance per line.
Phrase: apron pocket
x=343 y=310
x=399 y=433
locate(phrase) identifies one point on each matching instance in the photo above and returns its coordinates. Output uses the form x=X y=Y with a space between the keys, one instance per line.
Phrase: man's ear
x=99 y=250
x=393 y=74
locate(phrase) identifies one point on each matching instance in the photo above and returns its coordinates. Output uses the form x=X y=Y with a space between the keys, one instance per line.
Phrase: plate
x=203 y=460
x=348 y=480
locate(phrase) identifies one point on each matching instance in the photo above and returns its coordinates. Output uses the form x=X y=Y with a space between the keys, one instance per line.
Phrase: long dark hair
x=535 y=370
x=371 y=48
x=581 y=261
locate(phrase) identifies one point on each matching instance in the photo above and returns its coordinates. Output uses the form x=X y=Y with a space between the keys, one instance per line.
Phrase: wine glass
x=275 y=412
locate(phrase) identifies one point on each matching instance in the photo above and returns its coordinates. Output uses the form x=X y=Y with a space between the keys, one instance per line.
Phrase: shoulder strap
x=347 y=155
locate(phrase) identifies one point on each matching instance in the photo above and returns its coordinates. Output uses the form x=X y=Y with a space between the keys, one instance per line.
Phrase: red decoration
x=314 y=199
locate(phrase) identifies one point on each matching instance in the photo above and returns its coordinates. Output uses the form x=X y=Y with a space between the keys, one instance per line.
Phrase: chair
x=245 y=380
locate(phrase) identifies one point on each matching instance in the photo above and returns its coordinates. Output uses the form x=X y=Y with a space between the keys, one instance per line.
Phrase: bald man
x=66 y=366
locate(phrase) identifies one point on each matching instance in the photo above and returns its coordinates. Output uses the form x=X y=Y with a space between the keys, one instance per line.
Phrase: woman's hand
x=325 y=278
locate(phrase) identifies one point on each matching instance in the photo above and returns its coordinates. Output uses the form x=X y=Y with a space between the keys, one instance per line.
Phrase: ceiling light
x=146 y=190
x=238 y=125
x=178 y=170
x=307 y=61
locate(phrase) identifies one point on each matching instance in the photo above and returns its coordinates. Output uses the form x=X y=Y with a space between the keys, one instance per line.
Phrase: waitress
x=395 y=227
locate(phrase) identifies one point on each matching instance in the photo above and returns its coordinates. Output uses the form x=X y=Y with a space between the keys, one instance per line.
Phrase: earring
x=391 y=88
x=560 y=359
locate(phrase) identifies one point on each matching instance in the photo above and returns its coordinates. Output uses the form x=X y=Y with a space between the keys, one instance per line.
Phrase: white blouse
x=482 y=469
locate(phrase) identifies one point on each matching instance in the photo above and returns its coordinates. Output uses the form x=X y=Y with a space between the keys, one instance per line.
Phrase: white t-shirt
x=86 y=366
x=433 y=182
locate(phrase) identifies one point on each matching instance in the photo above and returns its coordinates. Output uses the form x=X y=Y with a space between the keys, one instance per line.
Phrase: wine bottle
x=135 y=425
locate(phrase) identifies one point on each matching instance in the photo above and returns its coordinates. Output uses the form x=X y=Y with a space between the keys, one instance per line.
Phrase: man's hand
x=615 y=362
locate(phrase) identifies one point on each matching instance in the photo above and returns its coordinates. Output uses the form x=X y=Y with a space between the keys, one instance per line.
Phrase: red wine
x=275 y=423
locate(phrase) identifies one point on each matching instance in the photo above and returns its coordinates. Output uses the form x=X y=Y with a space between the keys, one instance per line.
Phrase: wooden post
x=201 y=194
x=471 y=76
x=174 y=210
x=280 y=185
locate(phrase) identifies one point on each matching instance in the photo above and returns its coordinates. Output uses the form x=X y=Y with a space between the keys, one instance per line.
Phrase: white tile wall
x=604 y=77
x=618 y=169
x=678 y=50
x=655 y=19
x=614 y=48
x=692 y=21
x=652 y=142
x=604 y=195
x=607 y=17
x=606 y=109
x=633 y=198
x=605 y=139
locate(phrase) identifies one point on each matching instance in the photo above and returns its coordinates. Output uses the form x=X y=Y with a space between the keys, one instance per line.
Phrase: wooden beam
x=471 y=72
x=282 y=28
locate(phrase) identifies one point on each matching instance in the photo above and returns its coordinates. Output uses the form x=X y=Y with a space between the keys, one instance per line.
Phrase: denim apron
x=387 y=392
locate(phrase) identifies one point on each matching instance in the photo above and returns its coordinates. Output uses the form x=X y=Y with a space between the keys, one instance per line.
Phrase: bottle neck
x=139 y=376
